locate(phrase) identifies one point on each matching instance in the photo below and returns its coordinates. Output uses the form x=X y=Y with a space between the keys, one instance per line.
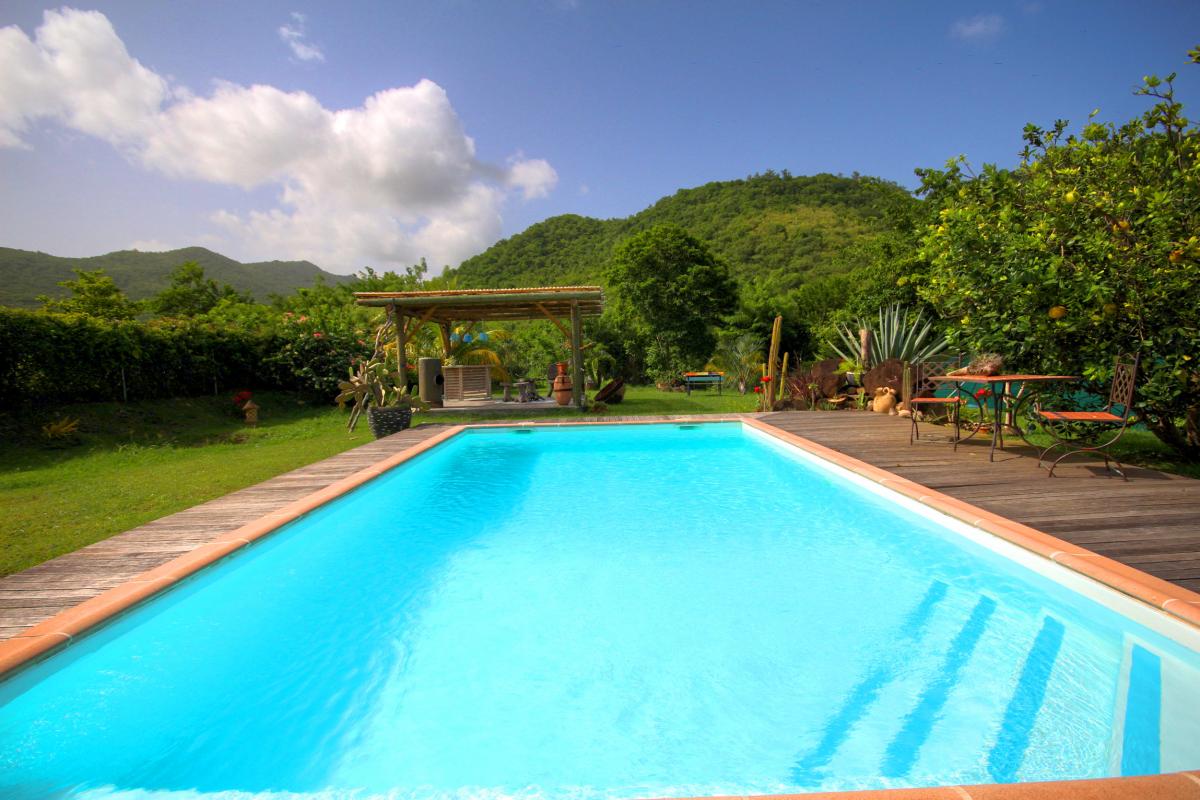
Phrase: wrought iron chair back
x=1120 y=396
x=1124 y=376
x=919 y=390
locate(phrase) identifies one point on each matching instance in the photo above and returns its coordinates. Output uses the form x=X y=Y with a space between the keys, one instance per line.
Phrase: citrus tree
x=1086 y=250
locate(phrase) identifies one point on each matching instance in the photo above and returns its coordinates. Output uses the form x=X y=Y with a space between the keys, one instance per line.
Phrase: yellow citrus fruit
x=1070 y=196
x=1175 y=257
x=1110 y=309
x=1058 y=312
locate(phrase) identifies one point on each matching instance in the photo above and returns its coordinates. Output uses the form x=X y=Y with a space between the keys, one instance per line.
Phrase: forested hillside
x=775 y=229
x=25 y=274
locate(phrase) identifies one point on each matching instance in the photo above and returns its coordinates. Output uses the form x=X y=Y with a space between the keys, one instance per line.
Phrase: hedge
x=65 y=358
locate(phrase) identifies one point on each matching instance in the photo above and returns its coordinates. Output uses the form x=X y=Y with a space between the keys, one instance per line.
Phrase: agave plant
x=898 y=334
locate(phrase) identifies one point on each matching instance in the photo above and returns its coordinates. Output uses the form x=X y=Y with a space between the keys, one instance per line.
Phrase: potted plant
x=382 y=394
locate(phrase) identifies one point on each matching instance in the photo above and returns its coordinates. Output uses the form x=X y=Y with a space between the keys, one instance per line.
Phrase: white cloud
x=79 y=73
x=387 y=182
x=293 y=35
x=535 y=178
x=983 y=26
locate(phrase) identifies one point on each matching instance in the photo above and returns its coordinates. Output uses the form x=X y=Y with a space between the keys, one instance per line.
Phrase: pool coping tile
x=57 y=632
x=1175 y=601
x=1168 y=786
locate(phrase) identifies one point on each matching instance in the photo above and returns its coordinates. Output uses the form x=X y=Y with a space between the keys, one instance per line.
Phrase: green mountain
x=775 y=229
x=25 y=274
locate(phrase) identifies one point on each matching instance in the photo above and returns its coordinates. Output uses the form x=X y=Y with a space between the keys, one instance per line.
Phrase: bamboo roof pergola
x=412 y=310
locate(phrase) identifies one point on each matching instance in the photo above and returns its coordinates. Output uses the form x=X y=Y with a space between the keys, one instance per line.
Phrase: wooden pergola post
x=401 y=342
x=576 y=355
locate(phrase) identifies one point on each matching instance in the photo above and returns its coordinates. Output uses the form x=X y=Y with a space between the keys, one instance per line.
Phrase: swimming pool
x=608 y=611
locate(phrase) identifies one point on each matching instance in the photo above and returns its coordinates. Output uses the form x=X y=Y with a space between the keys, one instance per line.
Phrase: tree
x=93 y=294
x=192 y=294
x=1086 y=250
x=671 y=290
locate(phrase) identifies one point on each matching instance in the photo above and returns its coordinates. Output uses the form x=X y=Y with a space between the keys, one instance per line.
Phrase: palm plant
x=472 y=347
x=740 y=358
x=897 y=334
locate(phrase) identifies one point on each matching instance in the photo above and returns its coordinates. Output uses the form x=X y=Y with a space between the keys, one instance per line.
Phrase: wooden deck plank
x=1151 y=522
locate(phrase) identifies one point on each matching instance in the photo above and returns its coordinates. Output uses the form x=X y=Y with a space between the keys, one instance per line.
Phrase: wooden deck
x=1152 y=522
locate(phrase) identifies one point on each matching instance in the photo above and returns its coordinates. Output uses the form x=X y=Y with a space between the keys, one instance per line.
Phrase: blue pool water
x=604 y=612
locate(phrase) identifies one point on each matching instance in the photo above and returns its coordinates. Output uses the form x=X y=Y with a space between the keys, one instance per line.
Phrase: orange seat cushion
x=937 y=400
x=1081 y=416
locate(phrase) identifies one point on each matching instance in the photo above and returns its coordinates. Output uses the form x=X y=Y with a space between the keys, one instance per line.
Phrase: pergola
x=565 y=306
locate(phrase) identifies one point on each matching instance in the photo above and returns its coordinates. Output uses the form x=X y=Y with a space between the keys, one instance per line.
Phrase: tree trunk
x=1186 y=442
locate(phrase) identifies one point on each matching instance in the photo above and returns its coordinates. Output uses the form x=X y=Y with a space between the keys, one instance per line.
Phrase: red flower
x=758 y=390
x=318 y=335
x=242 y=397
x=766 y=378
x=983 y=392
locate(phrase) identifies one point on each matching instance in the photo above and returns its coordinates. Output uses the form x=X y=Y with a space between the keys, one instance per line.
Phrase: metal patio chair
x=1119 y=396
x=919 y=393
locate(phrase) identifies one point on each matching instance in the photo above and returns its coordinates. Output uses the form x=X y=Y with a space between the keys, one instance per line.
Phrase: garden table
x=1005 y=403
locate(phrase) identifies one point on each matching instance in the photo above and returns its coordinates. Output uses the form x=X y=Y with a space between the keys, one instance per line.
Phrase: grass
x=132 y=463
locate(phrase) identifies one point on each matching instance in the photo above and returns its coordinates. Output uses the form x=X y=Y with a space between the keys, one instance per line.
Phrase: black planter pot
x=386 y=421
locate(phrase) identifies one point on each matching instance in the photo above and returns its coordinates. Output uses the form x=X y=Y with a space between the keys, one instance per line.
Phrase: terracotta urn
x=562 y=385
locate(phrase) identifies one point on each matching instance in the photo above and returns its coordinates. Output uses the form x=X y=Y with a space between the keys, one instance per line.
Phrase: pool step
x=1021 y=713
x=1156 y=727
x=938 y=708
x=905 y=747
x=810 y=767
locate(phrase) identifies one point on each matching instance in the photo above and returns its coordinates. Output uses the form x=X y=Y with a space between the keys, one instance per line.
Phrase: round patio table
x=1004 y=402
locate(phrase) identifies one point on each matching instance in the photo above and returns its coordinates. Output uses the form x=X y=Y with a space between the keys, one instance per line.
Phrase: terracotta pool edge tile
x=1155 y=591
x=1121 y=577
x=1185 y=609
x=82 y=617
x=1168 y=786
x=26 y=647
x=924 y=793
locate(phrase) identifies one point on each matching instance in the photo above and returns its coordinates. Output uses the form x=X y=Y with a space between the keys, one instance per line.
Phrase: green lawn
x=133 y=463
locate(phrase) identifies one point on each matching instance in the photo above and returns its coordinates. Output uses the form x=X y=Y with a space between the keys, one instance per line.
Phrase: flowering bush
x=312 y=361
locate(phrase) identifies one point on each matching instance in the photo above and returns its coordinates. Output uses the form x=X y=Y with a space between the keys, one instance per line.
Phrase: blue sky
x=141 y=124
